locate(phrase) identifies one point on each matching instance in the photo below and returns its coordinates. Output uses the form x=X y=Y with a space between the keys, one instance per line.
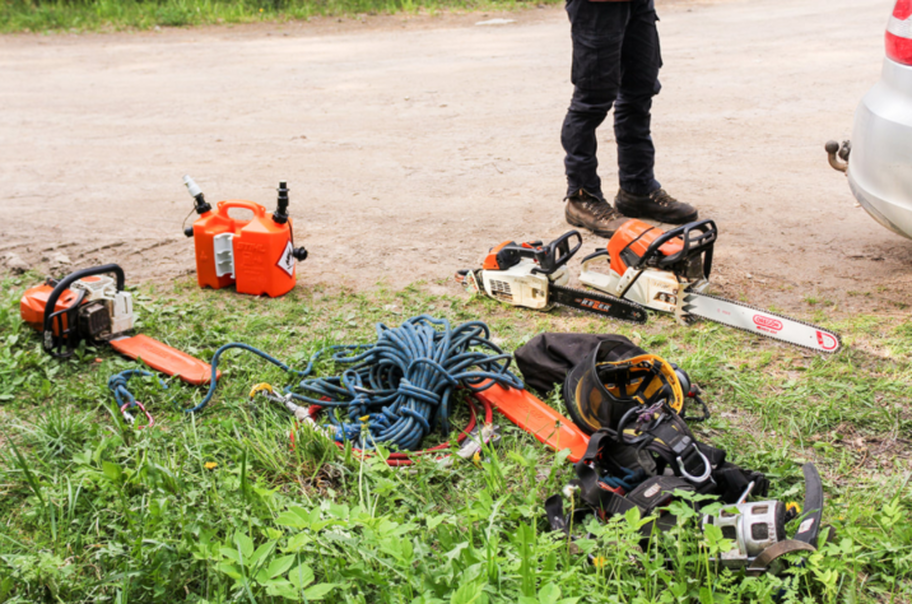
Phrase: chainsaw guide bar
x=598 y=304
x=759 y=322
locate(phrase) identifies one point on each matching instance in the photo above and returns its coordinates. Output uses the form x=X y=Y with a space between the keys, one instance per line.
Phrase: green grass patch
x=218 y=507
x=115 y=15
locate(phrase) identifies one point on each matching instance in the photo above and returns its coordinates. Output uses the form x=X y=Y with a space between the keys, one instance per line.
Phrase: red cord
x=407 y=459
x=151 y=420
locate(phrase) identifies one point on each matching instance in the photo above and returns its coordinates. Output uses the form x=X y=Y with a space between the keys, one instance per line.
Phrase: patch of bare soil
x=412 y=144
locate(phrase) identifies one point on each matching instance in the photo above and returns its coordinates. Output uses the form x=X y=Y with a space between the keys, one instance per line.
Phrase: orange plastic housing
x=162 y=357
x=260 y=245
x=34 y=301
x=532 y=415
x=490 y=261
x=630 y=231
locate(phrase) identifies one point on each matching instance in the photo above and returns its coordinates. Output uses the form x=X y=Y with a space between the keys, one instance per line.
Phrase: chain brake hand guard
x=61 y=342
x=697 y=238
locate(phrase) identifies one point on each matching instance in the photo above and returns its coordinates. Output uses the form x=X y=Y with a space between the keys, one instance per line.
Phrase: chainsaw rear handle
x=55 y=342
x=596 y=254
x=549 y=257
x=694 y=243
x=697 y=237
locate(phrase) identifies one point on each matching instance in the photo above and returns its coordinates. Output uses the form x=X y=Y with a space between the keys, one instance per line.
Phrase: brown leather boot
x=658 y=205
x=587 y=211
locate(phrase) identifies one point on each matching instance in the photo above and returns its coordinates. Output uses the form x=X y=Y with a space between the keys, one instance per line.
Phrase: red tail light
x=899 y=33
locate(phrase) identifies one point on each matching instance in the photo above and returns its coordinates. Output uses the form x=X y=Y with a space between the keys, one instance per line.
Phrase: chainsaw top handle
x=549 y=257
x=61 y=343
x=558 y=252
x=696 y=237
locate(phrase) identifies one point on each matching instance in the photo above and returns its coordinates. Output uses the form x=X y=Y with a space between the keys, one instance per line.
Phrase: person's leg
x=587 y=111
x=640 y=194
x=597 y=31
x=640 y=62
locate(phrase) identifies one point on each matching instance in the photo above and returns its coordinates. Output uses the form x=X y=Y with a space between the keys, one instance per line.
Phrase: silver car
x=878 y=160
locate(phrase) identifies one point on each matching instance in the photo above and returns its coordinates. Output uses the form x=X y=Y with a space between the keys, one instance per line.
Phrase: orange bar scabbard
x=532 y=415
x=162 y=357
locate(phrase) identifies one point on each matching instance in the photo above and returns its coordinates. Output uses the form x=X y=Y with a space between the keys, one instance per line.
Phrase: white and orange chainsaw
x=89 y=305
x=534 y=275
x=669 y=271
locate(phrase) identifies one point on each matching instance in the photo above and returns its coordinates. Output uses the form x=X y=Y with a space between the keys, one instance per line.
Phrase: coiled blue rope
x=402 y=384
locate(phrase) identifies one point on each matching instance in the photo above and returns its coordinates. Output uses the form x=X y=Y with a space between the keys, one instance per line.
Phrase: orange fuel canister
x=257 y=255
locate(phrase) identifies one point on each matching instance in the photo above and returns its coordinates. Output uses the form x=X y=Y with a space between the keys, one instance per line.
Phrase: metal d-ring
x=687 y=475
x=124 y=410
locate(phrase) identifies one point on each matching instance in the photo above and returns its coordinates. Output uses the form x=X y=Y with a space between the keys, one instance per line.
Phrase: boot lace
x=665 y=200
x=601 y=210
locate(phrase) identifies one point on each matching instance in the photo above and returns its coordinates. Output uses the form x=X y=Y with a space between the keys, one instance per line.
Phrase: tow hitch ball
x=838 y=155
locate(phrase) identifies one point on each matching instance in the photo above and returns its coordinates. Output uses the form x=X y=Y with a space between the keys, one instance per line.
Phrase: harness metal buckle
x=697 y=479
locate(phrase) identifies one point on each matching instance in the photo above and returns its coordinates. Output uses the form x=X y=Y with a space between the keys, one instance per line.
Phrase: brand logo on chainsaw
x=827 y=341
x=767 y=324
x=287 y=260
x=595 y=305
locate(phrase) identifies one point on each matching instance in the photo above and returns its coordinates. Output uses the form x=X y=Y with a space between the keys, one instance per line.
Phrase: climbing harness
x=641 y=452
x=125 y=399
x=756 y=529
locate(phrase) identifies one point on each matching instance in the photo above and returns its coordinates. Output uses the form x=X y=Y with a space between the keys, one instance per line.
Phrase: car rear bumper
x=880 y=164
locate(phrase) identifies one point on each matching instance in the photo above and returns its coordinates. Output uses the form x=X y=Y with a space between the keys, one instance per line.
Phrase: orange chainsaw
x=89 y=305
x=669 y=271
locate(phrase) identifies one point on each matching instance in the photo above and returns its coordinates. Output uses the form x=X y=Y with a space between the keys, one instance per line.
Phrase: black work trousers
x=616 y=60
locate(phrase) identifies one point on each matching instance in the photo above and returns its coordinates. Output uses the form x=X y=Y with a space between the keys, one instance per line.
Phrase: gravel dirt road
x=412 y=144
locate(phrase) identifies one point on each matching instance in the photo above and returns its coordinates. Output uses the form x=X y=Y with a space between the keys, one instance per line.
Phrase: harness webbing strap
x=657 y=491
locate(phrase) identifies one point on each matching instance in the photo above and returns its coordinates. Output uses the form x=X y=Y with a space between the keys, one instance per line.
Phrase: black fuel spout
x=280 y=216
